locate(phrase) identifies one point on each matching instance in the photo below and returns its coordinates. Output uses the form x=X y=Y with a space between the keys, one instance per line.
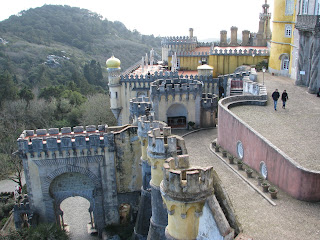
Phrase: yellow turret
x=282 y=37
x=184 y=191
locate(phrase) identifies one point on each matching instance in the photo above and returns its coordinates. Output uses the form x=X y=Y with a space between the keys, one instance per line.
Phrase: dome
x=204 y=67
x=113 y=62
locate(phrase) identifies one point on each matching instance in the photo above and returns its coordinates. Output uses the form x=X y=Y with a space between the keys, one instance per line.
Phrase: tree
x=96 y=110
x=8 y=90
x=26 y=94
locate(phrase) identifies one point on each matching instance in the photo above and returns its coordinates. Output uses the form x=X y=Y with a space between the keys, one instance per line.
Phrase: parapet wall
x=231 y=52
x=54 y=140
x=283 y=171
x=175 y=87
x=178 y=40
x=182 y=183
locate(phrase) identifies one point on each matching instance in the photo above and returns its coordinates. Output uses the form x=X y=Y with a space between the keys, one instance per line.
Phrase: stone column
x=245 y=38
x=234 y=40
x=223 y=38
x=184 y=191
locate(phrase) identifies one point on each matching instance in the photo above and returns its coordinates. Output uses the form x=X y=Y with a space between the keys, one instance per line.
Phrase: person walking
x=284 y=98
x=275 y=97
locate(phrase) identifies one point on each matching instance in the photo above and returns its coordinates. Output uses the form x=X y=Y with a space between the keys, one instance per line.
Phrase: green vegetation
x=53 y=74
x=40 y=232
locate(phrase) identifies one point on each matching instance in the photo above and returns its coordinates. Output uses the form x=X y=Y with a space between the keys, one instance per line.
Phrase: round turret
x=113 y=62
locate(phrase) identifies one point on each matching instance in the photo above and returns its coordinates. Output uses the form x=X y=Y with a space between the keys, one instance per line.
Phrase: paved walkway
x=296 y=129
x=290 y=219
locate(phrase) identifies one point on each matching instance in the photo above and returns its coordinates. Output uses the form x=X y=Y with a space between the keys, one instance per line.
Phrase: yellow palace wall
x=222 y=64
x=280 y=44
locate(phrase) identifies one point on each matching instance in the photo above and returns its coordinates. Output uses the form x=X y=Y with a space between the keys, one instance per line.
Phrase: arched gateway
x=90 y=163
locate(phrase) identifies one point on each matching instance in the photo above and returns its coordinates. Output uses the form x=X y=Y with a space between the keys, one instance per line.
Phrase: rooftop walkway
x=296 y=129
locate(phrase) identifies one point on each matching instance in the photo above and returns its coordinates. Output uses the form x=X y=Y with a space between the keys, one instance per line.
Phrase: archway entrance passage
x=73 y=184
x=177 y=116
x=77 y=218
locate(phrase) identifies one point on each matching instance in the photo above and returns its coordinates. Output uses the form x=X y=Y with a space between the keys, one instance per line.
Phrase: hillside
x=50 y=45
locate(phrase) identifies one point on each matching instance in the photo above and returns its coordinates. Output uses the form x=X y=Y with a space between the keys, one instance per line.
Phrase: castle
x=140 y=163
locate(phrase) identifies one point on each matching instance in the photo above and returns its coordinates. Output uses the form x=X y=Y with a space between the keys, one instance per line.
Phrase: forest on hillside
x=53 y=74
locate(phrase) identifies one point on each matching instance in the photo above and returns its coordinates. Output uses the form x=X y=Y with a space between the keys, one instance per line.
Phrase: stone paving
x=294 y=130
x=290 y=219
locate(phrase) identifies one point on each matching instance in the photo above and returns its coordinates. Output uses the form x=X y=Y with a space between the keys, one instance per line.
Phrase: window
x=285 y=63
x=317 y=8
x=288 y=30
x=304 y=7
x=289 y=7
x=116 y=94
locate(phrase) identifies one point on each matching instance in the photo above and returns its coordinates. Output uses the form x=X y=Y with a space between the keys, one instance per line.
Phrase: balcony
x=308 y=23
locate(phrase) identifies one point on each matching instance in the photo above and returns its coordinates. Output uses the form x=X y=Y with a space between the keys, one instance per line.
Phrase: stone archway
x=71 y=181
x=177 y=116
x=69 y=185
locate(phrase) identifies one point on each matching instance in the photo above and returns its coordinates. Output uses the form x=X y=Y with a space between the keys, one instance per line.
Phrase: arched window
x=288 y=30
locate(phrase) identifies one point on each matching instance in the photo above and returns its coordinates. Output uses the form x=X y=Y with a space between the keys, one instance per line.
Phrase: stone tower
x=223 y=38
x=185 y=191
x=114 y=71
x=245 y=38
x=234 y=40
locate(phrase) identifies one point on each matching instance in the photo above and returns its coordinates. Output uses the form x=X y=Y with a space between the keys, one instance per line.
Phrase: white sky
x=163 y=17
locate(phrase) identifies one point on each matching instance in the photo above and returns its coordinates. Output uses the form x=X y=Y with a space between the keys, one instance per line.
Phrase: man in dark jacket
x=275 y=97
x=284 y=98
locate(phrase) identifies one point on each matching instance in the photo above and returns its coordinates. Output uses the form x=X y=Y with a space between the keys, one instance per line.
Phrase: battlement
x=184 y=183
x=175 y=87
x=178 y=40
x=138 y=107
x=209 y=101
x=146 y=124
x=161 y=144
x=52 y=140
x=233 y=52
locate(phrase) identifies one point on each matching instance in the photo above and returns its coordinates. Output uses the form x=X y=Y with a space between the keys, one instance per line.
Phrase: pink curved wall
x=283 y=172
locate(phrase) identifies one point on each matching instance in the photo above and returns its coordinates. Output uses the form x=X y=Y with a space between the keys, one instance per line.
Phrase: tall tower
x=282 y=36
x=223 y=38
x=113 y=68
x=234 y=37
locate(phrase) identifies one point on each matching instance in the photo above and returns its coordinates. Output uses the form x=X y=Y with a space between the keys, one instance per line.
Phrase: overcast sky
x=163 y=17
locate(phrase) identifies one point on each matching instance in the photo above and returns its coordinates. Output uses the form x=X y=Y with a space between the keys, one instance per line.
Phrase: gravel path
x=294 y=130
x=76 y=215
x=290 y=219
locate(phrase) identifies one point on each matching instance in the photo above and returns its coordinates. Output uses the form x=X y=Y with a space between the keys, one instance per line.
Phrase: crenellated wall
x=107 y=157
x=181 y=94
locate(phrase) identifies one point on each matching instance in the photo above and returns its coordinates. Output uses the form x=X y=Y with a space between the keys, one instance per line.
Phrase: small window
x=178 y=63
x=285 y=64
x=304 y=7
x=288 y=30
x=289 y=7
x=116 y=94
